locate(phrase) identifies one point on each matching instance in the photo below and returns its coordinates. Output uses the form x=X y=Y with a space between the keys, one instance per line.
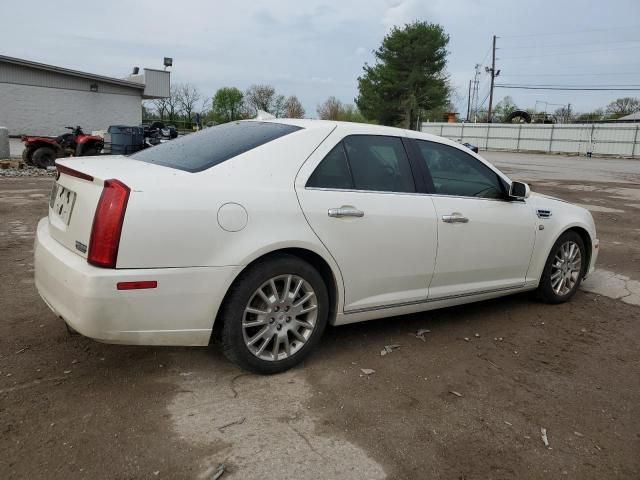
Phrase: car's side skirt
x=427 y=304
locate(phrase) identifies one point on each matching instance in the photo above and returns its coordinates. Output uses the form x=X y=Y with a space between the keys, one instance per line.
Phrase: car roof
x=369 y=128
x=372 y=129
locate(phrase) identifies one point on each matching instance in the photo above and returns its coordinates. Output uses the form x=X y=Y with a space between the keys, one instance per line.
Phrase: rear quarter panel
x=175 y=223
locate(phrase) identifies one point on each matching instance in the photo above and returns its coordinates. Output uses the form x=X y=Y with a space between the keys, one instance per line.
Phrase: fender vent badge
x=543 y=213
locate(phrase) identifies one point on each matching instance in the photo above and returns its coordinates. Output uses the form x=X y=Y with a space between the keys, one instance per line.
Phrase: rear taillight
x=107 y=224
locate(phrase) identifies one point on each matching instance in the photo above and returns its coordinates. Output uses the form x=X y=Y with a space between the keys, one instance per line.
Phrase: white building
x=39 y=99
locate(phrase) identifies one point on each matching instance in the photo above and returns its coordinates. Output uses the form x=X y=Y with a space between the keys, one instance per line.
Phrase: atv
x=42 y=151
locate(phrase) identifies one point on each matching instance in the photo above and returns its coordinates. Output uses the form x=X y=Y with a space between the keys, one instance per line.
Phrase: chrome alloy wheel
x=566 y=268
x=279 y=317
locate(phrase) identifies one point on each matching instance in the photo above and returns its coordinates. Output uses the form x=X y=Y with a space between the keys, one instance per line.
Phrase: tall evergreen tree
x=408 y=77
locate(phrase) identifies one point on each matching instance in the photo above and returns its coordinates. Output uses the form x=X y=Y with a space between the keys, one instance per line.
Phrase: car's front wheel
x=564 y=269
x=274 y=314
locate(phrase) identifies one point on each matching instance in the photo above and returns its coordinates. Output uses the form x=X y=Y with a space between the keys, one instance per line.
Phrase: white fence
x=582 y=138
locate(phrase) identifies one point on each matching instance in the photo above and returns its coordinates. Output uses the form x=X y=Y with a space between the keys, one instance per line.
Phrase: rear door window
x=379 y=163
x=374 y=163
x=198 y=151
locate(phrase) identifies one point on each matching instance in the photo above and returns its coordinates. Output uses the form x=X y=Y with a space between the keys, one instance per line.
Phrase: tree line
x=186 y=101
x=230 y=103
x=407 y=84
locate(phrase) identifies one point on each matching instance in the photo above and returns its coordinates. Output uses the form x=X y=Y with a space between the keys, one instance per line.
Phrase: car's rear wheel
x=274 y=314
x=564 y=269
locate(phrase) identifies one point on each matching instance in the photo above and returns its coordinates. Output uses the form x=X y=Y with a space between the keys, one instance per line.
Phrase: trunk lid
x=75 y=196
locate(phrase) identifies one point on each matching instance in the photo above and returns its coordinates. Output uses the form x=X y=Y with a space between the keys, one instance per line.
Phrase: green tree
x=228 y=105
x=278 y=106
x=597 y=114
x=408 y=77
x=503 y=108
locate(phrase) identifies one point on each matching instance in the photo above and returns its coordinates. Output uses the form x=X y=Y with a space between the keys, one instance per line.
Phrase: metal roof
x=634 y=116
x=67 y=71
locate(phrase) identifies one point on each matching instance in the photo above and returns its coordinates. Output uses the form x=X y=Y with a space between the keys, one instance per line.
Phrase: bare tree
x=564 y=114
x=260 y=97
x=188 y=97
x=161 y=107
x=623 y=106
x=293 y=108
x=173 y=104
x=330 y=109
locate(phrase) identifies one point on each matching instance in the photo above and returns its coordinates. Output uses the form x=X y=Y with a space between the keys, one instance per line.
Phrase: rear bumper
x=180 y=311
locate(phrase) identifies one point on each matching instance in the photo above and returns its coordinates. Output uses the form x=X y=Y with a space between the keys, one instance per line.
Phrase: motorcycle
x=42 y=151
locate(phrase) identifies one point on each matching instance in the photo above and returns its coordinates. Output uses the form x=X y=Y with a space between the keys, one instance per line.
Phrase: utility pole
x=476 y=84
x=469 y=102
x=493 y=76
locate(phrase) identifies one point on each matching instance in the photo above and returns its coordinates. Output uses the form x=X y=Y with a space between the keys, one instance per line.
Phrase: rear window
x=209 y=147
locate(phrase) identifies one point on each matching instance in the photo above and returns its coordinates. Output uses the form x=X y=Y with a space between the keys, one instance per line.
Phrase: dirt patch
x=74 y=408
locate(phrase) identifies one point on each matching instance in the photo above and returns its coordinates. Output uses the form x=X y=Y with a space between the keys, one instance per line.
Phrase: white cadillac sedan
x=259 y=233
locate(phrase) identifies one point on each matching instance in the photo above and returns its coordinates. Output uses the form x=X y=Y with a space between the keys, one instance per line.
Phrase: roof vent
x=136 y=70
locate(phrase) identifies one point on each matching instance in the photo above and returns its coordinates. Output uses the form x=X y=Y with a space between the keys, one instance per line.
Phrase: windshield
x=198 y=151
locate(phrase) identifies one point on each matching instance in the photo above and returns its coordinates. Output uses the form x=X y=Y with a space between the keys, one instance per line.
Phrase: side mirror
x=519 y=190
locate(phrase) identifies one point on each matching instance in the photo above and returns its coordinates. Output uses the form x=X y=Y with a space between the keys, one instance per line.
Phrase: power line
x=486 y=55
x=542 y=34
x=567 y=45
x=605 y=85
x=571 y=74
x=541 y=87
x=569 y=53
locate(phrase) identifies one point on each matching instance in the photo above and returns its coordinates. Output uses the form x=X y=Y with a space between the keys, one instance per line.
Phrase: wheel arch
x=588 y=243
x=584 y=234
x=39 y=144
x=331 y=278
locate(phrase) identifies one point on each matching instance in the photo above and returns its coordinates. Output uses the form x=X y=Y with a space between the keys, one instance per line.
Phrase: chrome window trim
x=350 y=190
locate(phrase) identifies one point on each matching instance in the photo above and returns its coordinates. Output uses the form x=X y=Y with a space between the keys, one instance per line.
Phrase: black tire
x=90 y=152
x=545 y=291
x=26 y=156
x=44 y=157
x=240 y=294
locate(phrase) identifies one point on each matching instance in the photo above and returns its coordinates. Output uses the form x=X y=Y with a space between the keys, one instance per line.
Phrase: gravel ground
x=441 y=408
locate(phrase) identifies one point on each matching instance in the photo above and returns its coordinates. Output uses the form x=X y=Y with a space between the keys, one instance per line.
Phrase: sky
x=316 y=48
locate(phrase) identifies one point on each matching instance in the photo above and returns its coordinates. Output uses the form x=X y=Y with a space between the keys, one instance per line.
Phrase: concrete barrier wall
x=580 y=138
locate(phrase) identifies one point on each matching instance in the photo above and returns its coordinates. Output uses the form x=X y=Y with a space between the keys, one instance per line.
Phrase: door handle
x=455 y=218
x=345 y=211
